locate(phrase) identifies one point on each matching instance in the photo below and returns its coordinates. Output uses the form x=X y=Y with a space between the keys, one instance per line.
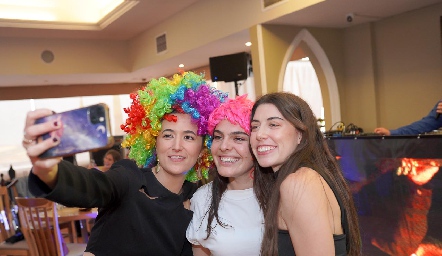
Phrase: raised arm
x=431 y=122
x=45 y=169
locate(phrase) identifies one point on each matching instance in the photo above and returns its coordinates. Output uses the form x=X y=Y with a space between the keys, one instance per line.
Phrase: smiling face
x=108 y=161
x=178 y=145
x=273 y=139
x=230 y=150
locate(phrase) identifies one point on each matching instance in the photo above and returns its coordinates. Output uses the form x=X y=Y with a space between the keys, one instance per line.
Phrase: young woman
x=141 y=210
x=309 y=208
x=109 y=159
x=227 y=217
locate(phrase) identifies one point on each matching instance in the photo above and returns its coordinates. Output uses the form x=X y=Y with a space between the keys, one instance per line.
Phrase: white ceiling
x=330 y=13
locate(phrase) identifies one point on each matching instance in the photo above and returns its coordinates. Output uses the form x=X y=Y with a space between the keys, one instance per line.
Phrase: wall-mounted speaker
x=230 y=68
x=47 y=56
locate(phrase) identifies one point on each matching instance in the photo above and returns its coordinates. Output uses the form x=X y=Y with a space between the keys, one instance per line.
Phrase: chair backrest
x=39 y=225
x=18 y=187
x=12 y=186
x=6 y=221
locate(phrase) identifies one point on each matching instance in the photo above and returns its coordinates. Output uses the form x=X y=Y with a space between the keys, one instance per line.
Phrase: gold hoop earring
x=157 y=169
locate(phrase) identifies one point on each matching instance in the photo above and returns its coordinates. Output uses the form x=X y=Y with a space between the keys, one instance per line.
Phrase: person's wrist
x=49 y=177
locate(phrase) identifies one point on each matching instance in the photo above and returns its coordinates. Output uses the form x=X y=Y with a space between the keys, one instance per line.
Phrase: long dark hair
x=312 y=152
x=219 y=186
x=236 y=111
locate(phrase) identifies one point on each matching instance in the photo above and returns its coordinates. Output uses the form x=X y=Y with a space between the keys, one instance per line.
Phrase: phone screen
x=83 y=129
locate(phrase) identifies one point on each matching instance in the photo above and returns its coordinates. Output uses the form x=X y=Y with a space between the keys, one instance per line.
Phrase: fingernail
x=54 y=139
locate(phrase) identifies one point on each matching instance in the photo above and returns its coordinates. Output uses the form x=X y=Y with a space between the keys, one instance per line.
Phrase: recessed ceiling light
x=248 y=43
x=181 y=66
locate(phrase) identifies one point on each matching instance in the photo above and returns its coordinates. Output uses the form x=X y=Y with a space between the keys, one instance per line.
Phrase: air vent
x=161 y=43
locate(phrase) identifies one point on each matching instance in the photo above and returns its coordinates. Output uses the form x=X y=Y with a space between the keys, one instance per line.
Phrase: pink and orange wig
x=236 y=111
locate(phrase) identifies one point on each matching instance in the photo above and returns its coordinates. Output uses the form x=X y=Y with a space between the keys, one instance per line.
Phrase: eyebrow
x=232 y=133
x=187 y=131
x=270 y=119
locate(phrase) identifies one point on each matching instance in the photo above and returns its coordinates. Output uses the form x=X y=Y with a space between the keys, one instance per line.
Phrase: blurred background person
x=429 y=123
x=110 y=157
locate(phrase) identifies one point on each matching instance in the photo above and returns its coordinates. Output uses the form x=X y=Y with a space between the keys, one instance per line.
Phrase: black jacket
x=137 y=215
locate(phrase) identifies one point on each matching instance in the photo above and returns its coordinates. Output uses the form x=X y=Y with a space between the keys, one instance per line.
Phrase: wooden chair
x=39 y=224
x=71 y=232
x=7 y=228
x=12 y=187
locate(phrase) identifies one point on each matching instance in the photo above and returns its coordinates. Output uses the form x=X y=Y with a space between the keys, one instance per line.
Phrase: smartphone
x=83 y=129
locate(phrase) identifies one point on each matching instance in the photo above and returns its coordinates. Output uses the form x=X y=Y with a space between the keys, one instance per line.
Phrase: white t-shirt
x=239 y=209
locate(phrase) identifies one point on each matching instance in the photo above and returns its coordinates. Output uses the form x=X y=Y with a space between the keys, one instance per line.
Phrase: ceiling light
x=62 y=14
x=181 y=66
x=248 y=43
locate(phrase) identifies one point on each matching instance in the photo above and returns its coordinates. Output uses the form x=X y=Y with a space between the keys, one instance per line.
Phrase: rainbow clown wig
x=183 y=93
x=237 y=111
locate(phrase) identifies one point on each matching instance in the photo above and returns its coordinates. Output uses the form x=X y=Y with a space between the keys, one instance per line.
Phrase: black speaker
x=230 y=68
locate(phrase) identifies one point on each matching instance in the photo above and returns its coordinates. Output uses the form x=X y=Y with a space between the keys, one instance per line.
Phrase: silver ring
x=27 y=141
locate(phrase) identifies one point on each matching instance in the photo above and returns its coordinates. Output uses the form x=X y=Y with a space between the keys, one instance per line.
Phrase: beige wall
x=43 y=92
x=189 y=29
x=388 y=73
x=21 y=56
x=393 y=69
x=276 y=41
x=359 y=91
x=408 y=54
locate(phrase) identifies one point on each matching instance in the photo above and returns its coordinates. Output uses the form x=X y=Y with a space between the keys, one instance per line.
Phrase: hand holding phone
x=83 y=129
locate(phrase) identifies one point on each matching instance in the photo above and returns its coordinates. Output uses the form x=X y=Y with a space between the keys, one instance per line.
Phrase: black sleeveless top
x=285 y=246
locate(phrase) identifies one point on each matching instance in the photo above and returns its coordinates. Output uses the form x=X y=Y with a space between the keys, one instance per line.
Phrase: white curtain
x=300 y=78
x=244 y=87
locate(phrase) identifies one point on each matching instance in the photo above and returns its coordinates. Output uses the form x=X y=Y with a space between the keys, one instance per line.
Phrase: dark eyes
x=171 y=136
x=189 y=137
x=238 y=138
x=217 y=137
x=167 y=136
x=255 y=127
